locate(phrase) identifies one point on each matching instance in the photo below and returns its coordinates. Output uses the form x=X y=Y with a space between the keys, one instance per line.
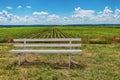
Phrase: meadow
x=100 y=59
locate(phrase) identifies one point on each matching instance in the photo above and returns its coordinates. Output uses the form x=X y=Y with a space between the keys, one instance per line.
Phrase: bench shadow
x=52 y=65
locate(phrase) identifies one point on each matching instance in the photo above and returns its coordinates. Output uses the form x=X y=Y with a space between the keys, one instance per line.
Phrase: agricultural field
x=88 y=34
x=100 y=59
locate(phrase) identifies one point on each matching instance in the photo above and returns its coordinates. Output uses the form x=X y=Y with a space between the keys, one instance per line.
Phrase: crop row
x=51 y=33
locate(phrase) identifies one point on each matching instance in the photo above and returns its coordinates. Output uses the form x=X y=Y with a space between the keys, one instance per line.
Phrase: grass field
x=88 y=34
x=100 y=59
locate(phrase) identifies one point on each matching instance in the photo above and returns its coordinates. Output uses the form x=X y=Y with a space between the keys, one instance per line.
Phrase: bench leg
x=69 y=60
x=19 y=60
x=25 y=57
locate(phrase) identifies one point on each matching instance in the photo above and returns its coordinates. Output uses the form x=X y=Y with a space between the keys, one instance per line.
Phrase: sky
x=59 y=12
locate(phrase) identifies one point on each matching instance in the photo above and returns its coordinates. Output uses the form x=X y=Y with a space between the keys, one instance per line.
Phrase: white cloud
x=28 y=7
x=107 y=16
x=5 y=17
x=40 y=13
x=81 y=13
x=65 y=18
x=82 y=16
x=3 y=20
x=107 y=10
x=117 y=13
x=9 y=7
x=79 y=16
x=19 y=6
x=53 y=18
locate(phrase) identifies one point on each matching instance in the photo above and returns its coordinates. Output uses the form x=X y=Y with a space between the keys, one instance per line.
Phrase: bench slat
x=46 y=45
x=49 y=39
x=45 y=51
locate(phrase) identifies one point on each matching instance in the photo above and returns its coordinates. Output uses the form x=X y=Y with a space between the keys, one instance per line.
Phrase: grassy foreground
x=99 y=61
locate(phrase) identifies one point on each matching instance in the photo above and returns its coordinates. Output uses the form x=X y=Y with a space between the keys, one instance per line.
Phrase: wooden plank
x=46 y=45
x=48 y=39
x=45 y=51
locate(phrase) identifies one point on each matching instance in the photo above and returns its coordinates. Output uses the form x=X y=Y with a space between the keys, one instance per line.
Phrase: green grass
x=7 y=34
x=91 y=31
x=95 y=35
x=100 y=35
x=98 y=61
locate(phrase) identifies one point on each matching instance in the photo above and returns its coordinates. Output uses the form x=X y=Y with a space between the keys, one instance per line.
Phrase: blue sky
x=59 y=11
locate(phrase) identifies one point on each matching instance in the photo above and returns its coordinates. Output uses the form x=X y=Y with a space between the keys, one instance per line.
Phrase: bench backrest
x=48 y=42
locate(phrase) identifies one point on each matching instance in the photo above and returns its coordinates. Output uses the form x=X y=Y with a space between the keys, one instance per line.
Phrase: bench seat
x=45 y=51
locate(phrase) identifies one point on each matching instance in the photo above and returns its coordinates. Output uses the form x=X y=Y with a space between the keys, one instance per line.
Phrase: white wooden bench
x=65 y=43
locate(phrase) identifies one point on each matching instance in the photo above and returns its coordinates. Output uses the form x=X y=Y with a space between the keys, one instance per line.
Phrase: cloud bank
x=79 y=16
